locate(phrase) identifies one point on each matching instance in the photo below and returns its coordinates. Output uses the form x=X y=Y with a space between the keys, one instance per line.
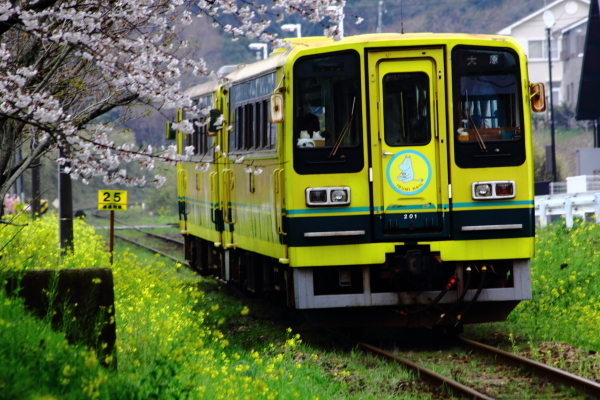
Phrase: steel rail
x=165 y=238
x=431 y=377
x=162 y=237
x=589 y=387
x=152 y=249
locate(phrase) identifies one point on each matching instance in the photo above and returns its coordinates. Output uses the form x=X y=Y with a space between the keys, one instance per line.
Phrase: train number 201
x=410 y=216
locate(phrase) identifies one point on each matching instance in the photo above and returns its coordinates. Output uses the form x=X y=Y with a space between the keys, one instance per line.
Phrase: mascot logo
x=409 y=172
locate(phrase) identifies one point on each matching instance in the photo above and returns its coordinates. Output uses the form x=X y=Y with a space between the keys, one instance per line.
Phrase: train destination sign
x=112 y=200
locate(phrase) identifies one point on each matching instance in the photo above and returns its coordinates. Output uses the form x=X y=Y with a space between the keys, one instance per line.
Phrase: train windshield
x=488 y=118
x=327 y=122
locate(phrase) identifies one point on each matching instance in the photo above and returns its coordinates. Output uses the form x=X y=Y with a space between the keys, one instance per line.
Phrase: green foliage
x=38 y=363
x=565 y=293
x=171 y=342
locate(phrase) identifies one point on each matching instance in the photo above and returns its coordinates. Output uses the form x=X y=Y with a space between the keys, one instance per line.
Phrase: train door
x=409 y=146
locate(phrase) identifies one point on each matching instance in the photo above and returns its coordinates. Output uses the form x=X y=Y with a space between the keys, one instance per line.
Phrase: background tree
x=64 y=63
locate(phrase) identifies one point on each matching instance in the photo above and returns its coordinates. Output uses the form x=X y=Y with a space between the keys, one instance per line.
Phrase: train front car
x=408 y=174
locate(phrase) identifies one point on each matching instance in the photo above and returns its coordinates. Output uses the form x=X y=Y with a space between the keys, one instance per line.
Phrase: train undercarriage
x=413 y=287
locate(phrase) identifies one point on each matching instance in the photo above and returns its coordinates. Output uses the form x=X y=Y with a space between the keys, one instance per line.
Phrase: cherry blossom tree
x=64 y=63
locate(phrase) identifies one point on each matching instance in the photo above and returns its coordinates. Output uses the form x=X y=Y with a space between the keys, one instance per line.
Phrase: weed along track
x=476 y=371
x=541 y=370
x=429 y=375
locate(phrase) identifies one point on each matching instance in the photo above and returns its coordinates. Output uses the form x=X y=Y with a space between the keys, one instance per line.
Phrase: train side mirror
x=170 y=132
x=277 y=108
x=215 y=123
x=537 y=97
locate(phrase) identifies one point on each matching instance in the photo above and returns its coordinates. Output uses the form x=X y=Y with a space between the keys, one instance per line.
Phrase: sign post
x=112 y=200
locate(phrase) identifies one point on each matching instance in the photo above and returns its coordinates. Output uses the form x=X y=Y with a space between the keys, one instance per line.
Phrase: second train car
x=382 y=179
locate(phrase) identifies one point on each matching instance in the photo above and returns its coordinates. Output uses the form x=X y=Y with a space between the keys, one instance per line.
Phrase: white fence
x=582 y=199
x=569 y=205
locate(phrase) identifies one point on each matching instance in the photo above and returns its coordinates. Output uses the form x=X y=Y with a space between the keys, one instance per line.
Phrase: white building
x=531 y=32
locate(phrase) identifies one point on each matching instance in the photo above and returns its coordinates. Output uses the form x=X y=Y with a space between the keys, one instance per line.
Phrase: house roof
x=574 y=25
x=588 y=102
x=508 y=29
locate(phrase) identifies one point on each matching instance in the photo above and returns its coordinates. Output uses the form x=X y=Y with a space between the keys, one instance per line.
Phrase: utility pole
x=379 y=16
x=552 y=131
x=19 y=183
x=65 y=207
x=549 y=21
x=35 y=190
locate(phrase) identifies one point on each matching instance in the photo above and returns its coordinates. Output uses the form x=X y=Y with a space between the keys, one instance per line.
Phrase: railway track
x=154 y=235
x=152 y=249
x=464 y=387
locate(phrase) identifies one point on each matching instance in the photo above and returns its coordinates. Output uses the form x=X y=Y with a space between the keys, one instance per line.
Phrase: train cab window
x=327 y=132
x=488 y=108
x=406 y=109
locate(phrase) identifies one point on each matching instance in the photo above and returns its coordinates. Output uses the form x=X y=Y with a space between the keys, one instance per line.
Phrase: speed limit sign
x=112 y=200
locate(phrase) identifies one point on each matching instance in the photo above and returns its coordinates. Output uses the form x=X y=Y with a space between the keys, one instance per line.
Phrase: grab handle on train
x=214 y=198
x=278 y=197
x=387 y=153
x=228 y=184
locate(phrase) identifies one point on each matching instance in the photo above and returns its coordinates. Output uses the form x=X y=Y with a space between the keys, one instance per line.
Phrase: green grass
x=566 y=296
x=183 y=336
x=134 y=215
x=560 y=326
x=179 y=336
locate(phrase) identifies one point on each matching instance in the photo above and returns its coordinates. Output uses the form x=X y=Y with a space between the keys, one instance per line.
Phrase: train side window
x=251 y=132
x=249 y=101
x=265 y=123
x=258 y=126
x=196 y=137
x=237 y=124
x=406 y=109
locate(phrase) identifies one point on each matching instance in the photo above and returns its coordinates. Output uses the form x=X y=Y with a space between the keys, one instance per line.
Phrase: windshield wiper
x=477 y=135
x=482 y=146
x=345 y=130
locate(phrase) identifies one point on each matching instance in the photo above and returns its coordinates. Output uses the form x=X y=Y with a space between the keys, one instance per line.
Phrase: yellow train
x=382 y=179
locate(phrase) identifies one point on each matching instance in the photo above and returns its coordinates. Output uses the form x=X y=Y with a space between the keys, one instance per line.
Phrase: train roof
x=279 y=56
x=203 y=88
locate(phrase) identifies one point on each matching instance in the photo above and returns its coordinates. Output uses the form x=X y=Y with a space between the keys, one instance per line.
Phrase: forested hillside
x=468 y=16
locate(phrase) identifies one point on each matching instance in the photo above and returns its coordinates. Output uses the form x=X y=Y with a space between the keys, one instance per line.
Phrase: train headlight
x=483 y=190
x=493 y=190
x=328 y=196
x=339 y=196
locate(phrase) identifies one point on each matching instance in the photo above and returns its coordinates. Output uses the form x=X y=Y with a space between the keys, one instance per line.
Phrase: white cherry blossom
x=63 y=63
